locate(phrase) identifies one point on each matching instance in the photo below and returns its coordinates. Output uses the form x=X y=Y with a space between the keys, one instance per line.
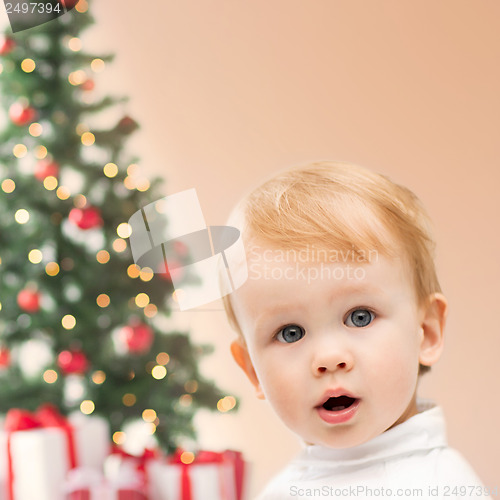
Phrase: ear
x=432 y=328
x=240 y=354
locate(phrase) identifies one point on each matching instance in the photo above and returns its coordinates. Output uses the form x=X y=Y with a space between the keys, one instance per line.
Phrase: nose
x=332 y=358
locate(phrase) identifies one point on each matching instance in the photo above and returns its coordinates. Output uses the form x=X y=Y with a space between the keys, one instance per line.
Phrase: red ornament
x=4 y=357
x=181 y=248
x=6 y=45
x=46 y=168
x=86 y=218
x=29 y=300
x=68 y=4
x=88 y=84
x=137 y=337
x=21 y=114
x=127 y=125
x=174 y=270
x=73 y=362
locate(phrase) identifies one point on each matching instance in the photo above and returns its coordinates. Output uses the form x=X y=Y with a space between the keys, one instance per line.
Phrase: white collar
x=423 y=431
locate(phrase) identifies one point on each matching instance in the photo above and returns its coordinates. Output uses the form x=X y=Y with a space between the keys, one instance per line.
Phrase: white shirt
x=411 y=460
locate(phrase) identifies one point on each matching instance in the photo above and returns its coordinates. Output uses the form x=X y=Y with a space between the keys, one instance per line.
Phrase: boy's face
x=355 y=331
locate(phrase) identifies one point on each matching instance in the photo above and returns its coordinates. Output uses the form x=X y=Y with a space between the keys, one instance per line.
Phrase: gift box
x=38 y=449
x=92 y=440
x=210 y=476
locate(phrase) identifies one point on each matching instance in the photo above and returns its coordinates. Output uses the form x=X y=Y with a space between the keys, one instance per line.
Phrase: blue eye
x=291 y=333
x=360 y=318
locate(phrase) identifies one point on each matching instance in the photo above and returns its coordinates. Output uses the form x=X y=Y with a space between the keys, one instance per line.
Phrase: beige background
x=228 y=91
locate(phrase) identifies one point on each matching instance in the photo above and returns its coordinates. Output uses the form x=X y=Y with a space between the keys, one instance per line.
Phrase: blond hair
x=342 y=206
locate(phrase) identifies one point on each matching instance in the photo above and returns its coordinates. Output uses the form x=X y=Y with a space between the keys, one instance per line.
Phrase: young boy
x=341 y=314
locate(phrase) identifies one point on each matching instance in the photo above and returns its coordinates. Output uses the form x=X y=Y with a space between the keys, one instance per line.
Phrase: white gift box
x=41 y=459
x=208 y=481
x=92 y=440
x=40 y=463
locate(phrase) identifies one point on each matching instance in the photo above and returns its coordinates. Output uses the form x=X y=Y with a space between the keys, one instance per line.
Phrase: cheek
x=396 y=365
x=281 y=385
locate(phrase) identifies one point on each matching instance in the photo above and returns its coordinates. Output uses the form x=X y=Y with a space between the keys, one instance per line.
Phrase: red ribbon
x=22 y=420
x=233 y=458
x=140 y=460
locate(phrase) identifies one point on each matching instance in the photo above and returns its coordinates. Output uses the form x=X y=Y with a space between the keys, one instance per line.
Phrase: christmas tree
x=82 y=326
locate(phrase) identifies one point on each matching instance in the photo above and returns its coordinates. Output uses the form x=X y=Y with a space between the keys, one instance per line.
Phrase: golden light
x=68 y=322
x=129 y=399
x=119 y=245
x=8 y=185
x=0 y=306
x=80 y=201
x=149 y=415
x=187 y=457
x=50 y=376
x=28 y=65
x=124 y=230
x=162 y=358
x=35 y=129
x=178 y=294
x=50 y=183
x=40 y=152
x=88 y=138
x=102 y=256
x=161 y=206
x=132 y=169
x=191 y=386
x=97 y=65
x=110 y=170
x=63 y=193
x=19 y=150
x=146 y=274
x=82 y=6
x=22 y=216
x=77 y=77
x=35 y=256
x=151 y=428
x=98 y=377
x=150 y=311
x=133 y=271
x=119 y=437
x=142 y=300
x=225 y=404
x=129 y=183
x=52 y=268
x=159 y=372
x=75 y=44
x=87 y=407
x=143 y=185
x=103 y=300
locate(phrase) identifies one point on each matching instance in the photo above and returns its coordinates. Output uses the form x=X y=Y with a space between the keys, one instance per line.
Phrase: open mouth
x=339 y=403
